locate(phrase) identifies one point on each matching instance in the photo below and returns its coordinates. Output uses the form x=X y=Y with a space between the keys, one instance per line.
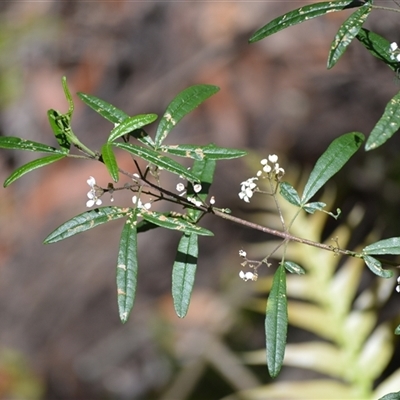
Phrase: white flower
x=247 y=189
x=93 y=193
x=212 y=200
x=393 y=46
x=398 y=285
x=139 y=203
x=242 y=253
x=180 y=187
x=273 y=158
x=194 y=201
x=197 y=187
x=248 y=276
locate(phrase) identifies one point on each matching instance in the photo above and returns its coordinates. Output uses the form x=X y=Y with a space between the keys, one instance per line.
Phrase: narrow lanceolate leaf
x=276 y=322
x=210 y=151
x=378 y=46
x=386 y=246
x=59 y=133
x=347 y=32
x=157 y=159
x=391 y=396
x=108 y=157
x=127 y=268
x=315 y=206
x=293 y=268
x=106 y=110
x=376 y=267
x=30 y=166
x=298 y=16
x=177 y=223
x=183 y=273
x=289 y=193
x=331 y=161
x=387 y=126
x=15 y=143
x=130 y=124
x=67 y=96
x=85 y=221
x=182 y=104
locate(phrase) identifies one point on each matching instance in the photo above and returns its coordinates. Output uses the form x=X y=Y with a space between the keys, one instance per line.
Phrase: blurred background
x=60 y=336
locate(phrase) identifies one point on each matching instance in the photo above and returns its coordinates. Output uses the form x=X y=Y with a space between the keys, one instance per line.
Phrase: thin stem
x=386 y=8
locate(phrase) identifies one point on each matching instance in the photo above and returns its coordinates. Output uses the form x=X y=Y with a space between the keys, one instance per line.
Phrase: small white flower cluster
x=246 y=275
x=180 y=187
x=94 y=193
x=139 y=204
x=398 y=285
x=395 y=51
x=271 y=170
x=247 y=189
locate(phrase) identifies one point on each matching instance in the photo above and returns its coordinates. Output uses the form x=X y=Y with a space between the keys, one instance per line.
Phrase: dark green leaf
x=157 y=159
x=59 y=133
x=376 y=267
x=130 y=124
x=15 y=143
x=289 y=193
x=386 y=246
x=391 y=396
x=211 y=151
x=110 y=161
x=387 y=126
x=331 y=161
x=176 y=223
x=312 y=207
x=183 y=273
x=276 y=322
x=85 y=221
x=30 y=166
x=106 y=110
x=127 y=268
x=300 y=15
x=378 y=46
x=347 y=33
x=293 y=268
x=182 y=104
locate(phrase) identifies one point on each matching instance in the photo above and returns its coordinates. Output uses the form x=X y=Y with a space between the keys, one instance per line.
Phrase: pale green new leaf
x=85 y=221
x=157 y=159
x=387 y=126
x=127 y=268
x=347 y=33
x=289 y=193
x=183 y=273
x=397 y=330
x=378 y=46
x=176 y=223
x=182 y=104
x=30 y=166
x=315 y=206
x=331 y=161
x=15 y=143
x=210 y=151
x=386 y=246
x=276 y=322
x=106 y=110
x=376 y=267
x=298 y=16
x=108 y=157
x=130 y=124
x=293 y=268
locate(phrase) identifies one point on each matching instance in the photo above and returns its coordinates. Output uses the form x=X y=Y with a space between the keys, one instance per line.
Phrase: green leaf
x=391 y=396
x=315 y=206
x=300 y=15
x=211 y=151
x=376 y=267
x=378 y=46
x=331 y=161
x=106 y=110
x=130 y=124
x=182 y=104
x=157 y=159
x=293 y=268
x=30 y=166
x=289 y=193
x=276 y=322
x=387 y=126
x=15 y=143
x=347 y=32
x=110 y=161
x=386 y=246
x=183 y=273
x=59 y=133
x=67 y=96
x=85 y=221
x=127 y=268
x=397 y=330
x=175 y=223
